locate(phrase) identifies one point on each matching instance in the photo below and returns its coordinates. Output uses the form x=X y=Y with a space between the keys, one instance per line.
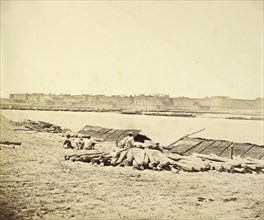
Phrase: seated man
x=80 y=143
x=67 y=143
x=128 y=141
x=89 y=144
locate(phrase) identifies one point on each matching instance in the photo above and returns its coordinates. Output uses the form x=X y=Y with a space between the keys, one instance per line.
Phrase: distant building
x=137 y=102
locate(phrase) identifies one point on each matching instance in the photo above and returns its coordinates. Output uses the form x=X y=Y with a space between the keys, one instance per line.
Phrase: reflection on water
x=162 y=129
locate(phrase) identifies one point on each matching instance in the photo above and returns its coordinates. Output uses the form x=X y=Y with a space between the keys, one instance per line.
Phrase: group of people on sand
x=80 y=143
x=85 y=143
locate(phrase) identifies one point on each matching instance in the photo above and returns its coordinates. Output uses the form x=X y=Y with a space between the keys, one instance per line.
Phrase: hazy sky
x=188 y=48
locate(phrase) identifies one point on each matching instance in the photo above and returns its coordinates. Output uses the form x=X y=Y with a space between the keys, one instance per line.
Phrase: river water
x=159 y=128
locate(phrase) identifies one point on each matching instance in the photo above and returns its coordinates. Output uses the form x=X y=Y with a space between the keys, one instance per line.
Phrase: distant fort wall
x=140 y=102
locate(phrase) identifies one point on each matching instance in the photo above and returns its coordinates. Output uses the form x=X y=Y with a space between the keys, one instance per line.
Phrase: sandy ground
x=37 y=183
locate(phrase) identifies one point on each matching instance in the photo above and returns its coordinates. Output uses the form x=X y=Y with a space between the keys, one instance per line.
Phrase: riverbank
x=241 y=115
x=37 y=183
x=164 y=130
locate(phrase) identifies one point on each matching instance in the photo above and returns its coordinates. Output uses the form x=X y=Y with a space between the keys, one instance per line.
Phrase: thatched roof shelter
x=110 y=134
x=222 y=148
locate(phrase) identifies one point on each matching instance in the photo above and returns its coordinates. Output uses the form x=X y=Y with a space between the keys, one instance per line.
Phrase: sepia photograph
x=132 y=110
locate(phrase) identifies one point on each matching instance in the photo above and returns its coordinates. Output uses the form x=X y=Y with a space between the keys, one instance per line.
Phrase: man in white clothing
x=128 y=141
x=89 y=144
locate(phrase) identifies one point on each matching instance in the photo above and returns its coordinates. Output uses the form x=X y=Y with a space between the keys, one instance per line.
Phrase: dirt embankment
x=37 y=183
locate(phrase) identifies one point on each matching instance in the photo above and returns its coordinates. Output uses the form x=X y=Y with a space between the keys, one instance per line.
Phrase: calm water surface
x=162 y=129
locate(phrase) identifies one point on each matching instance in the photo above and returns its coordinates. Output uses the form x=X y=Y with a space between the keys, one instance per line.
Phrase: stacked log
x=129 y=158
x=10 y=142
x=41 y=126
x=155 y=160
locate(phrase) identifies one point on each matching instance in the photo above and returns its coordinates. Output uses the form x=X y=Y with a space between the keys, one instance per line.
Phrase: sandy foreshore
x=37 y=183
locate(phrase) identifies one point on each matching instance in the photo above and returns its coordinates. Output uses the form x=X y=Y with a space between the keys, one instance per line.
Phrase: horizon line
x=134 y=95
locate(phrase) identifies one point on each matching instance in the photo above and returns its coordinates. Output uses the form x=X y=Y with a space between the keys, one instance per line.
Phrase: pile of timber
x=41 y=126
x=155 y=160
